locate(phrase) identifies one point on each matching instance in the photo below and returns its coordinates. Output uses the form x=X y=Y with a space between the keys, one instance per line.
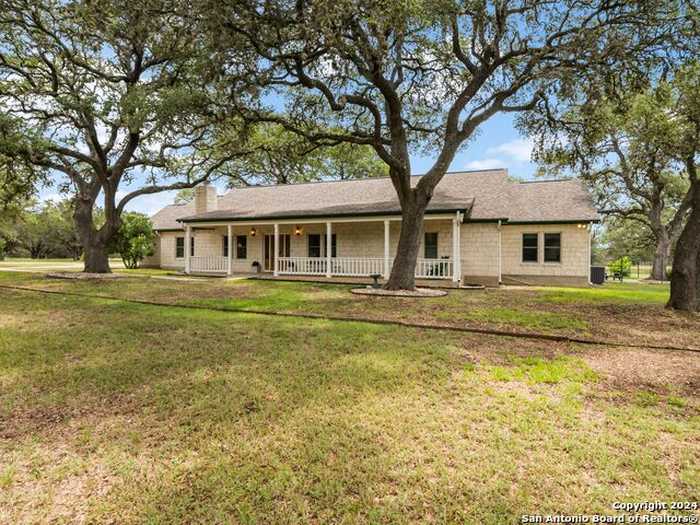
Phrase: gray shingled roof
x=483 y=195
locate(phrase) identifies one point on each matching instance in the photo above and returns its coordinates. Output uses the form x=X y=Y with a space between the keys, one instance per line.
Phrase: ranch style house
x=481 y=227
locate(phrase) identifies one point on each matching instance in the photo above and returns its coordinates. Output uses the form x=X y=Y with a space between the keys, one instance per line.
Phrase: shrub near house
x=134 y=240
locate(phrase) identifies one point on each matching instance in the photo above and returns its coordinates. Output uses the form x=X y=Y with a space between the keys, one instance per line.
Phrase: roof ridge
x=564 y=179
x=457 y=172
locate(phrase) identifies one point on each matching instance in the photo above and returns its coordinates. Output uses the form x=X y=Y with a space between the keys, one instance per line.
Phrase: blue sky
x=496 y=145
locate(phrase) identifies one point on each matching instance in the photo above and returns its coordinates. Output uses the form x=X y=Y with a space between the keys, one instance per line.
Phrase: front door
x=269 y=249
x=269 y=253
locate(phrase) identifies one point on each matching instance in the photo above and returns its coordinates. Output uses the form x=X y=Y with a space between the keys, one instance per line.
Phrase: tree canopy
x=279 y=156
x=620 y=134
x=108 y=93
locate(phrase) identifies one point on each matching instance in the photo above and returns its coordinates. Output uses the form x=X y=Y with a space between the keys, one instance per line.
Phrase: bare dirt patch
x=57 y=420
x=637 y=369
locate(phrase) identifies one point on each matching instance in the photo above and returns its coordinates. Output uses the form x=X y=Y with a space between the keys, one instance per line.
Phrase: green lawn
x=112 y=412
x=615 y=293
x=627 y=312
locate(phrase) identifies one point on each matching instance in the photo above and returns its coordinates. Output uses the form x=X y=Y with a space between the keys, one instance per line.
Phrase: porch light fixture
x=297 y=230
x=253 y=231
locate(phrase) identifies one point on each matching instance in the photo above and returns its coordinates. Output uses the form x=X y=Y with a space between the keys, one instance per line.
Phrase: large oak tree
x=685 y=276
x=619 y=135
x=416 y=76
x=107 y=93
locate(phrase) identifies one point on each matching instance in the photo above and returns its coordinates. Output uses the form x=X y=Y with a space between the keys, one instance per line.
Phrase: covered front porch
x=319 y=248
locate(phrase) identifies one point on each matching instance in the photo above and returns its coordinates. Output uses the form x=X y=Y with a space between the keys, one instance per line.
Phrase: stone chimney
x=204 y=198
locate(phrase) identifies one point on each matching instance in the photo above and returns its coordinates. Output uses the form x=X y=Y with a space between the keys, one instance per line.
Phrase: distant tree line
x=41 y=230
x=46 y=230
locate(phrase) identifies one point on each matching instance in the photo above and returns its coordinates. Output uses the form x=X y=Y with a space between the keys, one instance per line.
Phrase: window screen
x=314 y=245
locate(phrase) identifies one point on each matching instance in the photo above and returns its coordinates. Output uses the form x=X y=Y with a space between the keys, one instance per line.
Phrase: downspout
x=590 y=250
x=499 y=252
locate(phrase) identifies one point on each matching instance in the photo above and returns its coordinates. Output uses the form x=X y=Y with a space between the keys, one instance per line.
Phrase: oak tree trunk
x=403 y=272
x=661 y=256
x=96 y=258
x=95 y=242
x=685 y=276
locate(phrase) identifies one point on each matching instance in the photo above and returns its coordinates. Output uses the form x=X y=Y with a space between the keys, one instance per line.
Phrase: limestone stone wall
x=479 y=253
x=166 y=251
x=479 y=248
x=575 y=255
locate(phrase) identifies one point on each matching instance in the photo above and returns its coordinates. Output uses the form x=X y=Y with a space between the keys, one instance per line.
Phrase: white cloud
x=485 y=164
x=519 y=149
x=52 y=197
x=150 y=204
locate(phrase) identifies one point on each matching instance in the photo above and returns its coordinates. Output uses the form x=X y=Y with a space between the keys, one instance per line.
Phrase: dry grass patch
x=166 y=415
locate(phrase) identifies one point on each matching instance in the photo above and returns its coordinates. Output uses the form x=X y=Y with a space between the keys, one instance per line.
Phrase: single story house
x=480 y=227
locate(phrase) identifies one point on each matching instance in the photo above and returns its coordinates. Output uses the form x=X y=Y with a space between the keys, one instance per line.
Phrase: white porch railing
x=209 y=264
x=357 y=266
x=434 y=268
x=301 y=265
x=340 y=266
x=360 y=266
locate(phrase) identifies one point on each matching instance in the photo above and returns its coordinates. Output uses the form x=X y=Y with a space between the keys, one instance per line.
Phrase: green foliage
x=625 y=132
x=279 y=156
x=255 y=420
x=627 y=237
x=43 y=230
x=134 y=239
x=621 y=266
x=184 y=196
x=550 y=371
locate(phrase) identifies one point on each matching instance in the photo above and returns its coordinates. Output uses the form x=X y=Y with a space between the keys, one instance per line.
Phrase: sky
x=496 y=145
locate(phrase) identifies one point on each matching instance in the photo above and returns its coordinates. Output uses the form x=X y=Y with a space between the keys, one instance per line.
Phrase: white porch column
x=275 y=255
x=188 y=236
x=229 y=249
x=329 y=248
x=386 y=249
x=455 y=249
